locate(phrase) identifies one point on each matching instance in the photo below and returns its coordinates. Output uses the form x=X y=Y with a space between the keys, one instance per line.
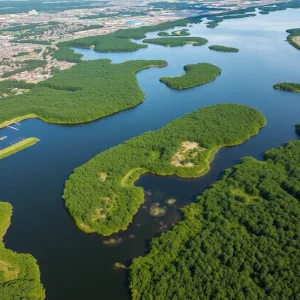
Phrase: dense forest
x=195 y=75
x=67 y=54
x=7 y=86
x=86 y=92
x=176 y=42
x=100 y=194
x=19 y=273
x=23 y=144
x=181 y=32
x=223 y=48
x=288 y=86
x=239 y=240
x=292 y=34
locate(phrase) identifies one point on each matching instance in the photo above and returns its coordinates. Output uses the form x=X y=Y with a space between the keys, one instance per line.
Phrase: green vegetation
x=223 y=48
x=239 y=240
x=177 y=42
x=23 y=53
x=32 y=41
x=298 y=129
x=100 y=194
x=18 y=147
x=19 y=273
x=195 y=75
x=293 y=35
x=213 y=24
x=7 y=86
x=288 y=86
x=67 y=54
x=88 y=91
x=182 y=32
x=28 y=65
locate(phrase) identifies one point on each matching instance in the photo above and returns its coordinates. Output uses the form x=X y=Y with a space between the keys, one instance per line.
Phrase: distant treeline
x=86 y=92
x=19 y=273
x=176 y=42
x=223 y=48
x=239 y=240
x=195 y=75
x=288 y=86
x=292 y=34
x=100 y=194
x=182 y=32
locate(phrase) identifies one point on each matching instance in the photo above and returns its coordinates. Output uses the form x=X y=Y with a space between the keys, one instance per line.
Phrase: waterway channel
x=75 y=265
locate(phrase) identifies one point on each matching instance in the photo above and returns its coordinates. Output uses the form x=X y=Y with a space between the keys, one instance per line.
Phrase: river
x=75 y=265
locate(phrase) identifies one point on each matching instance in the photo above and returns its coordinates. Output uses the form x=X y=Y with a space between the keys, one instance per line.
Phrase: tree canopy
x=19 y=273
x=86 y=92
x=197 y=74
x=100 y=194
x=239 y=240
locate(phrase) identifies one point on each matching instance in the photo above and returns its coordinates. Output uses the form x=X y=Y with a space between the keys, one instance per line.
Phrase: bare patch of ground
x=183 y=157
x=103 y=176
x=10 y=272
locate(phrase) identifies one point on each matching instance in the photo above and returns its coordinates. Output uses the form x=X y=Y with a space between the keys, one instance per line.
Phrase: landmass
x=178 y=42
x=19 y=273
x=288 y=86
x=195 y=75
x=239 y=240
x=223 y=48
x=294 y=37
x=17 y=147
x=88 y=91
x=181 y=32
x=185 y=148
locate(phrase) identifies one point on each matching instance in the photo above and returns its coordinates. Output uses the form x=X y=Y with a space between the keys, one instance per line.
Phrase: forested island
x=100 y=194
x=294 y=37
x=288 y=86
x=177 y=42
x=17 y=147
x=195 y=75
x=19 y=273
x=223 y=48
x=181 y=32
x=88 y=91
x=239 y=240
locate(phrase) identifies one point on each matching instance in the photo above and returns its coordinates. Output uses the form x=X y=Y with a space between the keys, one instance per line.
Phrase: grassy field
x=18 y=147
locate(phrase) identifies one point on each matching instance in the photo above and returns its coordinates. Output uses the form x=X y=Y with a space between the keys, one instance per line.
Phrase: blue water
x=75 y=265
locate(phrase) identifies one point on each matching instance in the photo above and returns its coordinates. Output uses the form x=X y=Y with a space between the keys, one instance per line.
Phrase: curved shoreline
x=107 y=204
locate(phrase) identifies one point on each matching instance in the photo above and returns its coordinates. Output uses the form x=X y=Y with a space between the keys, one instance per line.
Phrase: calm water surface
x=75 y=265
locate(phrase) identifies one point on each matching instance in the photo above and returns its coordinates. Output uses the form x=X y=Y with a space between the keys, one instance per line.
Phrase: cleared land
x=18 y=147
x=19 y=273
x=185 y=148
x=197 y=74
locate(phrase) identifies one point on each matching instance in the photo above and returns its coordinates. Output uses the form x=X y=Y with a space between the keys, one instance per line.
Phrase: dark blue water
x=75 y=265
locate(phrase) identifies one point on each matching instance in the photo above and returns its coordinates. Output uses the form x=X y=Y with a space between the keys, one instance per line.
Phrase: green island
x=213 y=24
x=239 y=240
x=101 y=196
x=177 y=42
x=88 y=91
x=288 y=86
x=19 y=273
x=181 y=32
x=294 y=37
x=195 y=75
x=18 y=147
x=223 y=48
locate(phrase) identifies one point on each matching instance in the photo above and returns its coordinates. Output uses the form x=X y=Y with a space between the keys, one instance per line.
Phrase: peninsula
x=195 y=75
x=100 y=195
